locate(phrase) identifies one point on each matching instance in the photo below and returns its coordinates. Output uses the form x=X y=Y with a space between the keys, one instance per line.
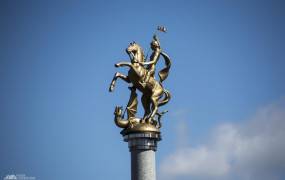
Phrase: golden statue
x=142 y=77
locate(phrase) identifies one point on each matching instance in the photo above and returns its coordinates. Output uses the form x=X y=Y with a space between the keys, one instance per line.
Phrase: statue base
x=141 y=127
x=142 y=141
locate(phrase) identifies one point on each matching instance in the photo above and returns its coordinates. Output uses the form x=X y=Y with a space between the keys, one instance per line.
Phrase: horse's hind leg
x=157 y=92
x=154 y=101
x=146 y=105
x=116 y=76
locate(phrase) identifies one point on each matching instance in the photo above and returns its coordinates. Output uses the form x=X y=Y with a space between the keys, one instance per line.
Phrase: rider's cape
x=163 y=74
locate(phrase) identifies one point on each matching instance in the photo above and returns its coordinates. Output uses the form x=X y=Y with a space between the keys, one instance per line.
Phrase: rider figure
x=155 y=46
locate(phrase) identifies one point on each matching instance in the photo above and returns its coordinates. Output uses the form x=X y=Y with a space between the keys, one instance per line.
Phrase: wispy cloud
x=254 y=149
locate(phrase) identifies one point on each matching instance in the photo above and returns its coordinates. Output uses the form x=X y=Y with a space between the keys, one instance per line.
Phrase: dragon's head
x=118 y=111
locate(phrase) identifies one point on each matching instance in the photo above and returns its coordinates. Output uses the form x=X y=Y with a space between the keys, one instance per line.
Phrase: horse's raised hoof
x=111 y=88
x=154 y=123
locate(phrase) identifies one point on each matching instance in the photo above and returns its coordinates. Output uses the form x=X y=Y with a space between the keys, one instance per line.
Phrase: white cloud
x=252 y=150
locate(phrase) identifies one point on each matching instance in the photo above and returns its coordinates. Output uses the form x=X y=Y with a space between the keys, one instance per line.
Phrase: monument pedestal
x=142 y=145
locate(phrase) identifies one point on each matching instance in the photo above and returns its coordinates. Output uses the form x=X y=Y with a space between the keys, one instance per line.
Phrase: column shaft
x=143 y=165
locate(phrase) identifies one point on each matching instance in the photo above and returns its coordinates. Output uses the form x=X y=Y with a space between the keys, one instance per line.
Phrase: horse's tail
x=167 y=97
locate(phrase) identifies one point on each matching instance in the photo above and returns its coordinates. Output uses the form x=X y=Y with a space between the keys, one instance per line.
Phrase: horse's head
x=135 y=52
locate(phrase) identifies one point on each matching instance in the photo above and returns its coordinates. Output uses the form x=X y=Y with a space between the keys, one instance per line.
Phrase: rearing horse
x=152 y=90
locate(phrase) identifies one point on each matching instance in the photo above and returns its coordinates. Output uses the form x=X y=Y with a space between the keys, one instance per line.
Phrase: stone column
x=142 y=146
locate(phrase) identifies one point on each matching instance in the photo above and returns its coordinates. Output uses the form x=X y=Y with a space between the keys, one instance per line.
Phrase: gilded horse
x=152 y=90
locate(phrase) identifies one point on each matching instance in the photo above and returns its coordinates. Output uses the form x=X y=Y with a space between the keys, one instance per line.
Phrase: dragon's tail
x=167 y=97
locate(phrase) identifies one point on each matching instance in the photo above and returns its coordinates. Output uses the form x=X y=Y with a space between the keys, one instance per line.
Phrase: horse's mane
x=141 y=50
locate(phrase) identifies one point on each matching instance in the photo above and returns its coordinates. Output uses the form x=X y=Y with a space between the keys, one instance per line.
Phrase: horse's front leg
x=121 y=64
x=116 y=76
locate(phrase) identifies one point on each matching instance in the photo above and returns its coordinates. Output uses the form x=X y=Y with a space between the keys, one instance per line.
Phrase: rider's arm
x=154 y=58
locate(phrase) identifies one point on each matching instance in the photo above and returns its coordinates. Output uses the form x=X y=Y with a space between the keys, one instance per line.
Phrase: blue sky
x=57 y=60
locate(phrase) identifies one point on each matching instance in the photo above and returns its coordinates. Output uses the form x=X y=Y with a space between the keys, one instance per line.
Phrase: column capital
x=142 y=140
